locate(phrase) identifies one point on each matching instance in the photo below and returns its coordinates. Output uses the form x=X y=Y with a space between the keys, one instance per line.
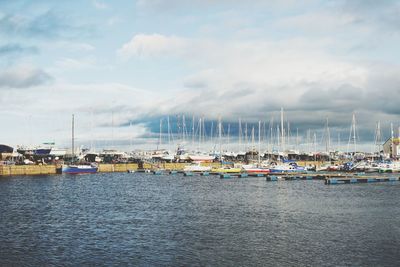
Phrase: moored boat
x=287 y=167
x=196 y=168
x=79 y=169
x=227 y=170
x=255 y=169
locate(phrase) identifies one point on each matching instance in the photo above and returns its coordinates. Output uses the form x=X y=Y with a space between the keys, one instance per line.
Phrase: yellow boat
x=226 y=170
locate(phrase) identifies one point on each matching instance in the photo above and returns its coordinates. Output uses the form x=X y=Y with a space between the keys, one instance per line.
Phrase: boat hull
x=257 y=170
x=78 y=169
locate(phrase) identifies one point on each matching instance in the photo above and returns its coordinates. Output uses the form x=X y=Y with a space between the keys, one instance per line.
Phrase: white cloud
x=99 y=5
x=149 y=45
x=23 y=76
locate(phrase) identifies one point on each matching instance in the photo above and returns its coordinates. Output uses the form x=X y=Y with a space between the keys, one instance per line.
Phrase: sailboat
x=75 y=168
x=257 y=168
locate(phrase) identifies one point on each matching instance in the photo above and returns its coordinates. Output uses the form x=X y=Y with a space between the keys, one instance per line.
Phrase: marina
x=199 y=133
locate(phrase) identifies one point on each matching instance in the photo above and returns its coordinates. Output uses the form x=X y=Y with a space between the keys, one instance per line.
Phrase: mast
x=288 y=135
x=73 y=138
x=183 y=128
x=211 y=133
x=282 y=132
x=392 y=138
x=352 y=137
x=169 y=131
x=193 y=132
x=199 y=133
x=271 y=129
x=240 y=134
x=252 y=140
x=229 y=133
x=112 y=129
x=159 y=141
x=245 y=136
x=259 y=142
x=130 y=139
x=220 y=139
x=328 y=136
x=354 y=133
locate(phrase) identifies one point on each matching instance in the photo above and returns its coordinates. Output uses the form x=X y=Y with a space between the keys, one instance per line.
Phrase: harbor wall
x=6 y=170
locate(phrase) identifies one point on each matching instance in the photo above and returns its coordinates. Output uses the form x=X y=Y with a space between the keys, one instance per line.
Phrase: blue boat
x=79 y=169
x=75 y=168
x=286 y=168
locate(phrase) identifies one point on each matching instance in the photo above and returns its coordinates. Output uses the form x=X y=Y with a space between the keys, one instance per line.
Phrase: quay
x=329 y=178
x=360 y=179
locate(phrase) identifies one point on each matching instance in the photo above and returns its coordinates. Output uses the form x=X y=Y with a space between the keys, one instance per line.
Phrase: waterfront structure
x=392 y=147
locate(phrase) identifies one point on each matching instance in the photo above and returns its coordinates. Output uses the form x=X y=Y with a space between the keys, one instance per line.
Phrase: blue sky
x=113 y=62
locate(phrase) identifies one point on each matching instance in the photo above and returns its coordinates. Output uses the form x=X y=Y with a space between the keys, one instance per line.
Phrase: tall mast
x=212 y=132
x=220 y=138
x=240 y=134
x=252 y=139
x=112 y=129
x=245 y=136
x=193 y=132
x=354 y=133
x=169 y=131
x=378 y=137
x=199 y=133
x=278 y=136
x=131 y=137
x=259 y=142
x=73 y=138
x=183 y=128
x=159 y=141
x=282 y=132
x=328 y=136
x=229 y=133
x=271 y=140
x=288 y=135
x=392 y=138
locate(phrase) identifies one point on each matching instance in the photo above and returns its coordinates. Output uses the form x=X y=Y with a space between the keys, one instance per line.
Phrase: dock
x=360 y=179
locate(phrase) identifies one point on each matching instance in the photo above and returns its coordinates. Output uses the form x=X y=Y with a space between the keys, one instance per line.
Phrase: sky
x=121 y=66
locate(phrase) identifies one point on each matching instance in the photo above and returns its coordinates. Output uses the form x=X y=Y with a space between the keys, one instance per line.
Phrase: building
x=392 y=148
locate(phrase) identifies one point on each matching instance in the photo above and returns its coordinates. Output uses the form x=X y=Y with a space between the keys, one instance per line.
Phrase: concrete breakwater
x=7 y=170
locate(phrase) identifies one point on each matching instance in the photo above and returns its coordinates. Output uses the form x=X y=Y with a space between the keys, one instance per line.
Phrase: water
x=150 y=220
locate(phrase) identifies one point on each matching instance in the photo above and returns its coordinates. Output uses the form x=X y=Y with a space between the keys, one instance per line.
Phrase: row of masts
x=279 y=137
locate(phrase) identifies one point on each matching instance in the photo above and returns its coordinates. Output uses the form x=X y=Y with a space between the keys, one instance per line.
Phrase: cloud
x=253 y=79
x=23 y=77
x=17 y=49
x=99 y=4
x=44 y=25
x=150 y=45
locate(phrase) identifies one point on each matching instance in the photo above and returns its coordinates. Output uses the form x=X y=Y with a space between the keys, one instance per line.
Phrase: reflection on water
x=143 y=219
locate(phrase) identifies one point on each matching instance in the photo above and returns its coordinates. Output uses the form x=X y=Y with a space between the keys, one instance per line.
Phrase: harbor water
x=138 y=219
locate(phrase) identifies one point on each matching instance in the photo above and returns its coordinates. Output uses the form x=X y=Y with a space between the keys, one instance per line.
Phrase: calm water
x=148 y=220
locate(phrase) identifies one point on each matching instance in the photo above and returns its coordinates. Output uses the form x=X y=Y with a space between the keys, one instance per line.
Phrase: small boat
x=255 y=169
x=75 y=168
x=79 y=169
x=227 y=170
x=287 y=167
x=196 y=168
